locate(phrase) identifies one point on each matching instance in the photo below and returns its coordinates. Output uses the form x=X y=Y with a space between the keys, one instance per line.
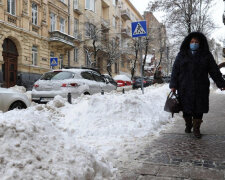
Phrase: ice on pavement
x=82 y=140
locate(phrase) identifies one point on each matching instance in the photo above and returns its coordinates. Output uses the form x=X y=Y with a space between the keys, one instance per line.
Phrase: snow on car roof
x=121 y=77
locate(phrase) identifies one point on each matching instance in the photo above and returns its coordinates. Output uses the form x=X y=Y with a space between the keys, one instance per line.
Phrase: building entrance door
x=9 y=67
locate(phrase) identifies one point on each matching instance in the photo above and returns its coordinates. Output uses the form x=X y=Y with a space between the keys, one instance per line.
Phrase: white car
x=11 y=99
x=76 y=81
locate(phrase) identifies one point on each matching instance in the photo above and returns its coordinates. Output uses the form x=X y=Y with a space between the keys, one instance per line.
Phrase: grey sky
x=216 y=12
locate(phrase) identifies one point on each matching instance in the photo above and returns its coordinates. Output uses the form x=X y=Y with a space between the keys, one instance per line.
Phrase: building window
x=75 y=54
x=114 y=22
x=53 y=17
x=60 y=61
x=11 y=7
x=62 y=25
x=76 y=4
x=122 y=63
x=114 y=2
x=76 y=28
x=34 y=55
x=52 y=54
x=90 y=30
x=34 y=13
x=90 y=5
x=62 y=1
x=87 y=59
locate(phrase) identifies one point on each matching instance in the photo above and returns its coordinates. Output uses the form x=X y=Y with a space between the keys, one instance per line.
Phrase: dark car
x=110 y=79
x=137 y=82
x=166 y=79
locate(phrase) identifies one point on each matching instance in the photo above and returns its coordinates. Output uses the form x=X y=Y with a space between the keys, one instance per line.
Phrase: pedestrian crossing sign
x=53 y=61
x=139 y=29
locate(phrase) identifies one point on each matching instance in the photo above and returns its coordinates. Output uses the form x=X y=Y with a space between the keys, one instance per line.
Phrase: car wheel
x=86 y=93
x=18 y=105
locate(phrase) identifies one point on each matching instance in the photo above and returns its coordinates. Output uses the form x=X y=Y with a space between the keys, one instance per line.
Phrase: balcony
x=61 y=40
x=126 y=32
x=77 y=9
x=125 y=14
x=105 y=23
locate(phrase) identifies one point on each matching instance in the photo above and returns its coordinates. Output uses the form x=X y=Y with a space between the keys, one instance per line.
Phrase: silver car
x=74 y=81
x=11 y=99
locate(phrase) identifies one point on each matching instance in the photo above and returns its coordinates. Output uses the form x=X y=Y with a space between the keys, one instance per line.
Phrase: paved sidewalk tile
x=148 y=169
x=206 y=174
x=172 y=171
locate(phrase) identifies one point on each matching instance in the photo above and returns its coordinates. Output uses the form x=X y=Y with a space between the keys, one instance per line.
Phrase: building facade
x=78 y=32
x=157 y=50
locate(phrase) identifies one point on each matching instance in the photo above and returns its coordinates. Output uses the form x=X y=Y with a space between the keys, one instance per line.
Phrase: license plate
x=46 y=99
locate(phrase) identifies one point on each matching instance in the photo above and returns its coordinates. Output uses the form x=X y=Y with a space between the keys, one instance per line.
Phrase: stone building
x=157 y=42
x=33 y=31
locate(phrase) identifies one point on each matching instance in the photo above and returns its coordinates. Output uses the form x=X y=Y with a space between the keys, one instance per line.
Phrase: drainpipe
x=69 y=31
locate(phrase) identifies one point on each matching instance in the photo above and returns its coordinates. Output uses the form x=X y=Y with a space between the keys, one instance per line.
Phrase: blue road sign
x=53 y=61
x=139 y=29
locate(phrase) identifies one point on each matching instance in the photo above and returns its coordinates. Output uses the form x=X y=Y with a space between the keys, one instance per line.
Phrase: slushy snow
x=82 y=140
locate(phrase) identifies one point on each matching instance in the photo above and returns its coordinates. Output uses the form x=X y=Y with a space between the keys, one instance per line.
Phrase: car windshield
x=57 y=75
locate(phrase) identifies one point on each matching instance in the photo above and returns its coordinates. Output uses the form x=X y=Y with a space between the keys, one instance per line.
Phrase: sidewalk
x=175 y=155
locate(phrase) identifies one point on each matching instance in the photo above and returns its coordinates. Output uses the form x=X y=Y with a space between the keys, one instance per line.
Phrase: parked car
x=122 y=80
x=137 y=82
x=110 y=79
x=64 y=81
x=166 y=79
x=11 y=99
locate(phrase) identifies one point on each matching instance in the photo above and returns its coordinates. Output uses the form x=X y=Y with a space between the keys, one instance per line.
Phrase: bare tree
x=185 y=16
x=134 y=47
x=112 y=50
x=93 y=30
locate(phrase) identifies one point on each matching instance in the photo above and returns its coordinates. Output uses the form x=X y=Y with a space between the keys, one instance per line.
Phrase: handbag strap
x=172 y=94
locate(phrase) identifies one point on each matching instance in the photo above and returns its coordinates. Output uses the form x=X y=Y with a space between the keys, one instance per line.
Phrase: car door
x=91 y=82
x=101 y=82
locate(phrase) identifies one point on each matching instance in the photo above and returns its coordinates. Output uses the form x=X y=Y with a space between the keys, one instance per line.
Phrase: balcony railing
x=105 y=23
x=125 y=14
x=61 y=39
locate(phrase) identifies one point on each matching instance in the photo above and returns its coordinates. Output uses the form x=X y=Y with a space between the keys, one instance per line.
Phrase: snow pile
x=83 y=140
x=20 y=89
x=33 y=148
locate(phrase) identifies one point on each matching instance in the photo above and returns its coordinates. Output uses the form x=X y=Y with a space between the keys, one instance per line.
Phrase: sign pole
x=140 y=49
x=139 y=29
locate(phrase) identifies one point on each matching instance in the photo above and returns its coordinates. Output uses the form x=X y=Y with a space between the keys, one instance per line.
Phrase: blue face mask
x=194 y=46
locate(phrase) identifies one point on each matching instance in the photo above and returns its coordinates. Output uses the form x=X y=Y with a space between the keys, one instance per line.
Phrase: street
x=176 y=155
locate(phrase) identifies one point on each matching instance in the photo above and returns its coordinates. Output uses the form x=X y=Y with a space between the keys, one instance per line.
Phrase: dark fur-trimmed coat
x=190 y=75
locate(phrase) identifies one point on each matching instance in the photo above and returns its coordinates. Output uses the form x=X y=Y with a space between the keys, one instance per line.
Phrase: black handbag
x=172 y=103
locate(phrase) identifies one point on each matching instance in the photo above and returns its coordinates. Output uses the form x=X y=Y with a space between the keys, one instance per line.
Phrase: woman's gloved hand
x=173 y=90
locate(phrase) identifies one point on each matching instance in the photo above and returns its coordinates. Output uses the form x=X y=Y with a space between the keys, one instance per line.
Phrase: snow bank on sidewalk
x=33 y=148
x=83 y=140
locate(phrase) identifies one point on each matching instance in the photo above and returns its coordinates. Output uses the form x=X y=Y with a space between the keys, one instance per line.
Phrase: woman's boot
x=196 y=127
x=188 y=123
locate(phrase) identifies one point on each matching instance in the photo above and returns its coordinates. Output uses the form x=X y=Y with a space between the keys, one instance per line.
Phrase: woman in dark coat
x=190 y=78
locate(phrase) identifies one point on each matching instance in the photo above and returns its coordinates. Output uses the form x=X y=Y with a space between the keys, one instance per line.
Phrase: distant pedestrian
x=190 y=78
x=158 y=76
